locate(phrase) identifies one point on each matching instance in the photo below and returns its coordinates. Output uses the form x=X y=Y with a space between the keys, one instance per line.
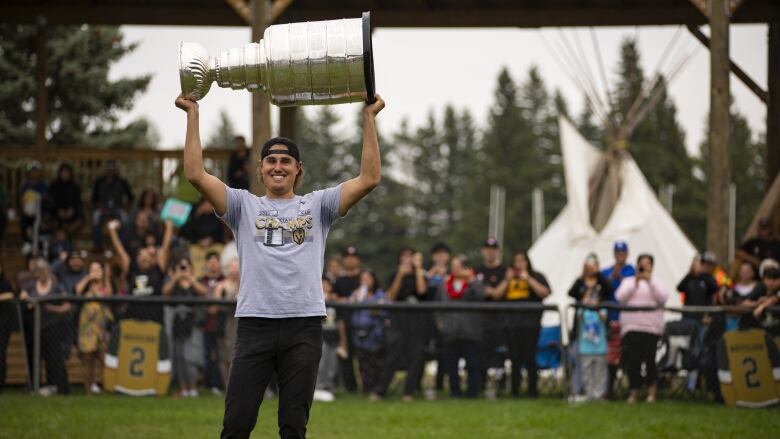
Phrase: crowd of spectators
x=363 y=348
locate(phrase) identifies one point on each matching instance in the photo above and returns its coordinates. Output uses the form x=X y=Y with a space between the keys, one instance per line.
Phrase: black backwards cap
x=292 y=148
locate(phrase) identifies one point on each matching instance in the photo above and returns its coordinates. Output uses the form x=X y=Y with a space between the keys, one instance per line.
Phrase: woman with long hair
x=94 y=319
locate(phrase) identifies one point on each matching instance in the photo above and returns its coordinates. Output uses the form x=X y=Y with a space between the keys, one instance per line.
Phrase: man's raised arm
x=370 y=167
x=208 y=185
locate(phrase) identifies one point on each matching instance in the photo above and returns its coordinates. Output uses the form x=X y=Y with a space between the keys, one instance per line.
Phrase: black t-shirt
x=64 y=195
x=203 y=226
x=345 y=285
x=183 y=315
x=492 y=276
x=412 y=322
x=519 y=290
x=699 y=289
x=7 y=308
x=236 y=163
x=145 y=284
x=763 y=248
x=408 y=290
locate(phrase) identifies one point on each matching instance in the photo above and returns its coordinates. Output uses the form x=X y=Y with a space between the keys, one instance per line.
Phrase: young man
x=615 y=275
x=281 y=244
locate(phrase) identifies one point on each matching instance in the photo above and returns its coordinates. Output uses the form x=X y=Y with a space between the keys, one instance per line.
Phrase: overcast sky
x=422 y=69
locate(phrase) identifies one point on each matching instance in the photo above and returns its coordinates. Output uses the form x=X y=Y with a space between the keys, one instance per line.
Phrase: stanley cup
x=312 y=63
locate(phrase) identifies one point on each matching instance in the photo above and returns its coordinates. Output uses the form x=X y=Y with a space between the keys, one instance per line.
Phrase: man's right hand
x=114 y=224
x=186 y=104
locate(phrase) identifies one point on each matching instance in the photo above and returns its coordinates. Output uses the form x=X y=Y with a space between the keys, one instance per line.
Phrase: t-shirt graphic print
x=281 y=251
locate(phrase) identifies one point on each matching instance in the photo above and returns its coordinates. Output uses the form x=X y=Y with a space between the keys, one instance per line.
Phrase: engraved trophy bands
x=313 y=63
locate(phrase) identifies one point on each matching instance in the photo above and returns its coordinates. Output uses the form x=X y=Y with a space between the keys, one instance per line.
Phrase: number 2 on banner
x=136 y=363
x=751 y=367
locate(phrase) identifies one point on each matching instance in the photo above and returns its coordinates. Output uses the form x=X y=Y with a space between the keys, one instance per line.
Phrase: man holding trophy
x=281 y=236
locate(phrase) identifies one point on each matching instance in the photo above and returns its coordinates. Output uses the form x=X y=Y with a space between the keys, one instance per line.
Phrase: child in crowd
x=592 y=344
x=94 y=321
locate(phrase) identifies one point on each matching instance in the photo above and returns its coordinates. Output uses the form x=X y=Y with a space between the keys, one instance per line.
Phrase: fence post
x=36 y=378
x=564 y=350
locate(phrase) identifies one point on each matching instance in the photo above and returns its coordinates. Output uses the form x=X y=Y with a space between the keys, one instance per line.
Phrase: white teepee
x=638 y=218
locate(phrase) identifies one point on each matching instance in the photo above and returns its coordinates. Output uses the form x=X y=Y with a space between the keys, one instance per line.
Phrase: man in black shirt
x=347 y=283
x=698 y=288
x=764 y=246
x=145 y=273
x=492 y=273
x=238 y=165
x=408 y=332
x=111 y=196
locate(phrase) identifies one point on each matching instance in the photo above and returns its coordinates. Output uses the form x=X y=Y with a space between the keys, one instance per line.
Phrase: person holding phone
x=641 y=329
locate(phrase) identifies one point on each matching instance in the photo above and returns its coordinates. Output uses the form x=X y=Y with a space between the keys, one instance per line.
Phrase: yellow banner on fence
x=749 y=369
x=138 y=360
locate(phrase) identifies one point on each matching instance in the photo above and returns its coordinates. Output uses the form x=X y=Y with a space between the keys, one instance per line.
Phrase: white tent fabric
x=638 y=218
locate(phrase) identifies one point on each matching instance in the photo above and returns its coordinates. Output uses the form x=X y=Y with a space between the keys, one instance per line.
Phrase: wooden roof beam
x=704 y=6
x=241 y=9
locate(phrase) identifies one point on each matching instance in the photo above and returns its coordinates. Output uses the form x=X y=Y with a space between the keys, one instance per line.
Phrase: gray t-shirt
x=281 y=251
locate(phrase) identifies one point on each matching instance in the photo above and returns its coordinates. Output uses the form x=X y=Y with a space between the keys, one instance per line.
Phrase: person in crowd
x=111 y=198
x=697 y=288
x=3 y=213
x=70 y=270
x=765 y=245
x=9 y=320
x=141 y=233
x=440 y=265
x=238 y=165
x=333 y=269
x=333 y=339
x=149 y=203
x=771 y=280
x=144 y=274
x=65 y=195
x=94 y=321
x=492 y=273
x=345 y=284
x=55 y=320
x=213 y=326
x=766 y=264
x=523 y=284
x=26 y=276
x=615 y=274
x=589 y=334
x=186 y=354
x=709 y=264
x=461 y=332
x=641 y=330
x=368 y=328
x=228 y=289
x=203 y=227
x=591 y=283
x=32 y=198
x=747 y=291
x=406 y=330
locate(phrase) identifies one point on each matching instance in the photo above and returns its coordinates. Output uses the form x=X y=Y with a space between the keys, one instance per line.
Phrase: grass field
x=105 y=416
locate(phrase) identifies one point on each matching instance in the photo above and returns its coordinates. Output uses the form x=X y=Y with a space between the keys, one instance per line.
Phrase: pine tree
x=83 y=104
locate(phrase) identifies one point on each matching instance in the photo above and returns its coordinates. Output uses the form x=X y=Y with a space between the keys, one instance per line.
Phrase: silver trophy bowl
x=311 y=63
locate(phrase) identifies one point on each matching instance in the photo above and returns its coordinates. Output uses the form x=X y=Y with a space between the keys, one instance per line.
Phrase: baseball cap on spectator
x=350 y=250
x=708 y=257
x=771 y=273
x=440 y=247
x=767 y=264
x=620 y=246
x=491 y=242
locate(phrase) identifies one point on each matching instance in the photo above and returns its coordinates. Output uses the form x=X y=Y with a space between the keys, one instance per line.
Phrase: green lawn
x=106 y=416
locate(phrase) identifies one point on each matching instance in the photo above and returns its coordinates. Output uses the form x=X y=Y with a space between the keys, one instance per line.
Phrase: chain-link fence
x=175 y=345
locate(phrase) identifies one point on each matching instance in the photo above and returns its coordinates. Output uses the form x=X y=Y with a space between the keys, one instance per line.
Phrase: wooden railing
x=142 y=168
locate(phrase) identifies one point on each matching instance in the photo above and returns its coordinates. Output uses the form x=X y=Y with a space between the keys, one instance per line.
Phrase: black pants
x=211 y=373
x=522 y=341
x=347 y=365
x=471 y=351
x=370 y=365
x=289 y=347
x=405 y=348
x=52 y=338
x=8 y=324
x=638 y=348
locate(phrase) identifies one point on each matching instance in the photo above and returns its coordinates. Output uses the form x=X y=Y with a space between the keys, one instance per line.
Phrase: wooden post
x=41 y=93
x=719 y=167
x=261 y=111
x=773 y=108
x=288 y=122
